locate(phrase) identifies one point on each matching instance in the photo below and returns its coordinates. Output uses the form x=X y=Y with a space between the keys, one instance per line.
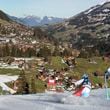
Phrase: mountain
x=88 y=29
x=51 y=20
x=19 y=40
x=37 y=21
x=4 y=16
x=14 y=29
x=10 y=28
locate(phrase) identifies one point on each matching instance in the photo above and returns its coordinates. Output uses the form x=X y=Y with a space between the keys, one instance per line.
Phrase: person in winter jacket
x=85 y=86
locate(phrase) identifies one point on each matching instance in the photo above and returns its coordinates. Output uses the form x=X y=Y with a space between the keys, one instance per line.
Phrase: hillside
x=10 y=28
x=3 y=16
x=88 y=29
x=13 y=29
x=17 y=39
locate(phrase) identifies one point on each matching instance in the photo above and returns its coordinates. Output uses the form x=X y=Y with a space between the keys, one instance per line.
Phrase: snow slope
x=55 y=101
x=4 y=79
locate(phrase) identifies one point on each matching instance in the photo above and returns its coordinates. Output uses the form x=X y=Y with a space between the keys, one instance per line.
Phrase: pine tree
x=33 y=86
x=23 y=85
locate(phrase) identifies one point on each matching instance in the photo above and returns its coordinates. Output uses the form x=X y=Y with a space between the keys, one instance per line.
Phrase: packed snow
x=91 y=9
x=4 y=79
x=106 y=10
x=55 y=101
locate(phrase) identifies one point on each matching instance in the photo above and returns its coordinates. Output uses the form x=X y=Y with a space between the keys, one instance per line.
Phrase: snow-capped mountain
x=103 y=1
x=37 y=21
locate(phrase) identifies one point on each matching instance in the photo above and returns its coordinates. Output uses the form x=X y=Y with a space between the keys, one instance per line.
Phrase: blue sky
x=56 y=8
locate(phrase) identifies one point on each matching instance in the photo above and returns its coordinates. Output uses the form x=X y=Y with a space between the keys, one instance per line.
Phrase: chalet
x=3 y=40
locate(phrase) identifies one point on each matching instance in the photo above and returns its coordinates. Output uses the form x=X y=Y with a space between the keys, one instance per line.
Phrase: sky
x=55 y=8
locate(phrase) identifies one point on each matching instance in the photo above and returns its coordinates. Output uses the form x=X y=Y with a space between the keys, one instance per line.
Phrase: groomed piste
x=56 y=101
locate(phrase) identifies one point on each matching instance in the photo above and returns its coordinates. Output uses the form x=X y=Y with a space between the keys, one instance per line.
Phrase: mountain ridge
x=32 y=20
x=4 y=16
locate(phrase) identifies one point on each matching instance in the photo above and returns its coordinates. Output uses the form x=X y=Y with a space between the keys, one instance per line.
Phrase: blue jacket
x=86 y=79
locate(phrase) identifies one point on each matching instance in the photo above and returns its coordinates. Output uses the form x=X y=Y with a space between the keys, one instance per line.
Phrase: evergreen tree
x=67 y=52
x=33 y=86
x=44 y=52
x=23 y=85
x=56 y=52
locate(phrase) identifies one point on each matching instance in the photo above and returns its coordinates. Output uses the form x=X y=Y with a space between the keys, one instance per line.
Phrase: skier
x=85 y=86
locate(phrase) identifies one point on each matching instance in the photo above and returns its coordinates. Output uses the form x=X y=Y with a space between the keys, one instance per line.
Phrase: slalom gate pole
x=106 y=88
